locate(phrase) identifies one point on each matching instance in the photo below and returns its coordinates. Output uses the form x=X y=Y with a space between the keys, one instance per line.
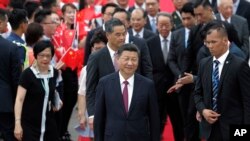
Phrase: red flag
x=87 y=14
x=68 y=1
x=73 y=58
x=68 y=38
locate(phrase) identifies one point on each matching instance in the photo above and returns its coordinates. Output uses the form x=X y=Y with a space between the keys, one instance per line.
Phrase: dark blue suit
x=10 y=71
x=112 y=123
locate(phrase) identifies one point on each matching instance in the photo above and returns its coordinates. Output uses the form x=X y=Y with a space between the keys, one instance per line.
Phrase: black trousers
x=7 y=123
x=70 y=88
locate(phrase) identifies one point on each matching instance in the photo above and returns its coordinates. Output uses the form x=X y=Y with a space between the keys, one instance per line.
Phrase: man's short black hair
x=128 y=47
x=98 y=37
x=203 y=3
x=121 y=10
x=17 y=17
x=31 y=7
x=3 y=14
x=188 y=8
x=48 y=4
x=108 y=5
x=40 y=16
x=109 y=25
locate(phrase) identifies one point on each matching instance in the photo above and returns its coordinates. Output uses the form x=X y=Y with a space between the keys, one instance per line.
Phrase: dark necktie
x=215 y=80
x=125 y=95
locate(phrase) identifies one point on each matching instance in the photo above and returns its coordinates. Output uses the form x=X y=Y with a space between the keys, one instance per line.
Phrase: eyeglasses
x=53 y=22
x=47 y=56
x=109 y=14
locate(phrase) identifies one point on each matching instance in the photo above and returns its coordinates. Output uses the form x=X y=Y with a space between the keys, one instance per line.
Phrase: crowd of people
x=126 y=68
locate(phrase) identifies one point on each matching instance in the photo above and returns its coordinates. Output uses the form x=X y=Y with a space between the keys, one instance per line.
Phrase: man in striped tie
x=222 y=91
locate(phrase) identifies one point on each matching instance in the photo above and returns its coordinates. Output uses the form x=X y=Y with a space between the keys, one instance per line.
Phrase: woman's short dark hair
x=99 y=36
x=33 y=34
x=42 y=45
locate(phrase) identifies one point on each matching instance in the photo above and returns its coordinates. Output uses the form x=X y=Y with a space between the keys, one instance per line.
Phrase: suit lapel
x=224 y=70
x=208 y=77
x=136 y=92
x=159 y=50
x=109 y=62
x=118 y=93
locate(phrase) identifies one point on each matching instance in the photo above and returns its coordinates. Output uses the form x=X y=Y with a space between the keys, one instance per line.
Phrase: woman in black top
x=36 y=99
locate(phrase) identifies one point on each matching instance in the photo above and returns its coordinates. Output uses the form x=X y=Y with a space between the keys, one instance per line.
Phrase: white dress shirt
x=112 y=53
x=223 y=19
x=140 y=33
x=222 y=60
x=130 y=87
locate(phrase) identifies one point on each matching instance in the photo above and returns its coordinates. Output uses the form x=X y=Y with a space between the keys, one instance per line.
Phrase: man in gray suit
x=225 y=8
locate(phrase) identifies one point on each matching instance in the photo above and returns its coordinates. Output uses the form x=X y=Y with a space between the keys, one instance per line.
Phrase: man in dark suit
x=145 y=67
x=222 y=91
x=225 y=8
x=241 y=8
x=107 y=12
x=162 y=75
x=204 y=14
x=152 y=8
x=102 y=62
x=126 y=106
x=10 y=71
x=175 y=62
x=137 y=21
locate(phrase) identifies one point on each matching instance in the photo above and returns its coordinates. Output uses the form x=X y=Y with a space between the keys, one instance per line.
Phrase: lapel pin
x=227 y=62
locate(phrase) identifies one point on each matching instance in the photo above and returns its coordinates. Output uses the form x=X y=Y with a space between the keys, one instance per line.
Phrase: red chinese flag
x=86 y=13
x=73 y=58
x=70 y=58
x=68 y=38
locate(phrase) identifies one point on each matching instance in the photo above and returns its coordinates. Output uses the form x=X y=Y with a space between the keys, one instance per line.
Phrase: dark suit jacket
x=10 y=71
x=243 y=10
x=112 y=123
x=195 y=42
x=177 y=52
x=130 y=10
x=147 y=34
x=233 y=93
x=162 y=74
x=241 y=26
x=100 y=64
x=87 y=50
x=148 y=25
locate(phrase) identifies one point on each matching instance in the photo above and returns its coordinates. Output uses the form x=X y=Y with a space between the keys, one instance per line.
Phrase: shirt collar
x=222 y=58
x=127 y=38
x=111 y=51
x=223 y=19
x=130 y=79
x=38 y=75
x=140 y=33
x=168 y=38
x=143 y=6
x=150 y=18
x=16 y=37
